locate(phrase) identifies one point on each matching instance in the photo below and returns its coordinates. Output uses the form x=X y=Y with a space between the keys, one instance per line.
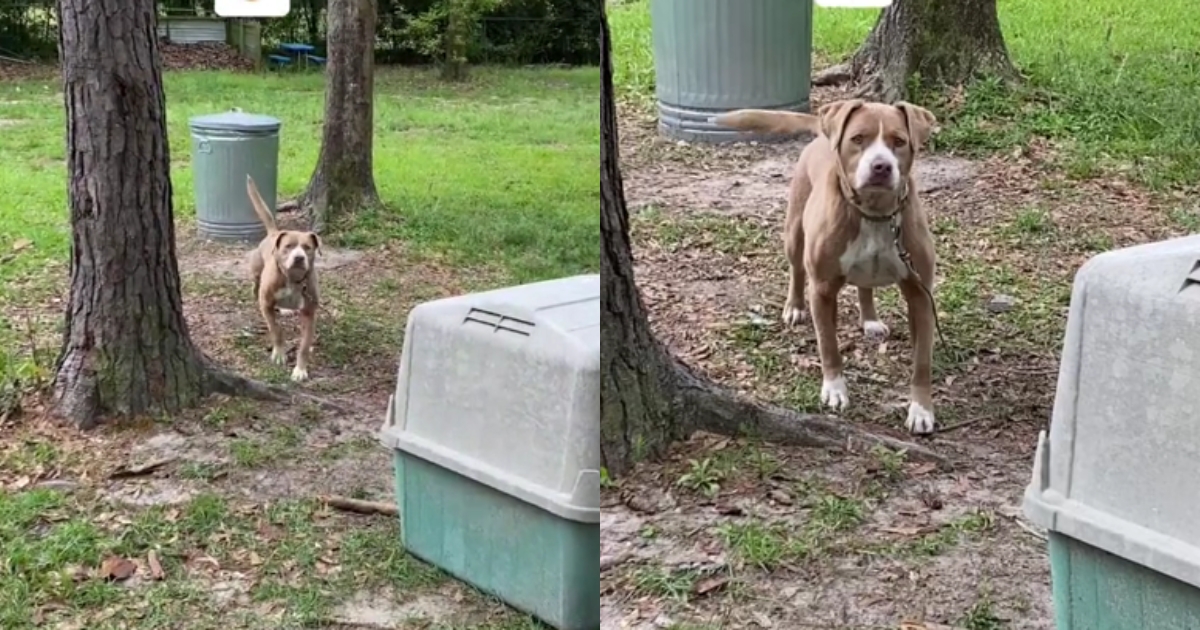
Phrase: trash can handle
x=203 y=146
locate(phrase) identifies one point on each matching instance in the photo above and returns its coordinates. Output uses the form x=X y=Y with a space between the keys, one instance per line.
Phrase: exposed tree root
x=222 y=381
x=834 y=75
x=713 y=409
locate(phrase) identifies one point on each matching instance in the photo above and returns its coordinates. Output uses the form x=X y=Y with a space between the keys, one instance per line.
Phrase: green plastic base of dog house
x=533 y=560
x=1096 y=590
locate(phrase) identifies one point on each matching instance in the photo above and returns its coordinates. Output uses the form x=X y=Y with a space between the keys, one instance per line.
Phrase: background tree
x=938 y=42
x=647 y=397
x=344 y=179
x=126 y=349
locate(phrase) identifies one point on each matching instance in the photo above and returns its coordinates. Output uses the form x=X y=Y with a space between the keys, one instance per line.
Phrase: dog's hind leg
x=873 y=329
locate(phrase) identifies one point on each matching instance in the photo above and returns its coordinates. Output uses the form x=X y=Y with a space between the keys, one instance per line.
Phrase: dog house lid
x=235 y=121
x=1118 y=468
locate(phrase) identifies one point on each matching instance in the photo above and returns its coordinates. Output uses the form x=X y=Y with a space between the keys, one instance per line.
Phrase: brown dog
x=854 y=217
x=283 y=267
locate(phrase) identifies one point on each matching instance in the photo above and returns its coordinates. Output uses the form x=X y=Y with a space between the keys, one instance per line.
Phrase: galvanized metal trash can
x=225 y=148
x=1114 y=482
x=713 y=56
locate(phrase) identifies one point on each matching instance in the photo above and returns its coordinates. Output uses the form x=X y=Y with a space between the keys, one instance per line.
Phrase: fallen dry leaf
x=21 y=244
x=156 y=570
x=706 y=586
x=116 y=568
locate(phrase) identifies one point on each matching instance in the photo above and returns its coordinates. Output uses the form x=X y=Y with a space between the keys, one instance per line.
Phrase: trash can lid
x=235 y=121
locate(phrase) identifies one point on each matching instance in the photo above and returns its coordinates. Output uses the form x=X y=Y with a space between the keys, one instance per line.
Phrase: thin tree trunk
x=648 y=398
x=937 y=42
x=126 y=348
x=458 y=17
x=344 y=180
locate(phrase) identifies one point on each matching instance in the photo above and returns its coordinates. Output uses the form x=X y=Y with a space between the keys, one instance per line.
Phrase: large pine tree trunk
x=647 y=397
x=344 y=180
x=943 y=42
x=126 y=348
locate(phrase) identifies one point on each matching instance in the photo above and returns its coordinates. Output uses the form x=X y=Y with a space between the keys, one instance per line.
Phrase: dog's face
x=876 y=143
x=296 y=252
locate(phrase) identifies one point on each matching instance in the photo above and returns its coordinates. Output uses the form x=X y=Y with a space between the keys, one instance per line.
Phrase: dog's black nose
x=881 y=168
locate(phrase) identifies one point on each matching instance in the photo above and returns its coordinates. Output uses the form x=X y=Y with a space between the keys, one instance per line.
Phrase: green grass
x=1108 y=80
x=52 y=555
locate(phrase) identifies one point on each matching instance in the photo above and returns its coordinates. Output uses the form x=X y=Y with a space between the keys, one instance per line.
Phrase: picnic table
x=297 y=52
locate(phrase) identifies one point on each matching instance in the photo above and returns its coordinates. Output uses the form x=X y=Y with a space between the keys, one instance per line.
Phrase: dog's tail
x=769 y=121
x=260 y=206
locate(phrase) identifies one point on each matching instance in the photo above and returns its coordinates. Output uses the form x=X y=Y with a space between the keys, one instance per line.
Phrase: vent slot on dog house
x=498 y=322
x=1193 y=277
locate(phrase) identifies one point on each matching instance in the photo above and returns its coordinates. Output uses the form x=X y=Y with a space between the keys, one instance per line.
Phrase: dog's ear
x=316 y=241
x=279 y=240
x=920 y=121
x=834 y=117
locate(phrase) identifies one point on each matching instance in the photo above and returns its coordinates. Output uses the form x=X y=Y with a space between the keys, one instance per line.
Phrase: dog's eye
x=899 y=143
x=858 y=139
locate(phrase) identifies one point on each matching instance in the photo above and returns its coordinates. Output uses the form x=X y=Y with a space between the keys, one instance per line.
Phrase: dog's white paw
x=834 y=394
x=299 y=374
x=875 y=331
x=278 y=356
x=920 y=420
x=793 y=314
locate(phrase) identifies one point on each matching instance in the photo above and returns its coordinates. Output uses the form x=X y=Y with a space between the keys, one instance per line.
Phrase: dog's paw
x=875 y=331
x=793 y=314
x=834 y=394
x=278 y=356
x=299 y=374
x=920 y=420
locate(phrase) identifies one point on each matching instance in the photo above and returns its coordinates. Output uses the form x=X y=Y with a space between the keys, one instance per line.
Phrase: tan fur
x=822 y=225
x=769 y=121
x=277 y=285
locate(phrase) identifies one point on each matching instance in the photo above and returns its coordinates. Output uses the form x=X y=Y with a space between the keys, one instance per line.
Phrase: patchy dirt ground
x=217 y=515
x=739 y=534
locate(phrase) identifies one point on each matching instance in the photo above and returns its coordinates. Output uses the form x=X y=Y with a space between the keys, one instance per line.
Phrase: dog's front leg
x=921 y=327
x=823 y=303
x=274 y=334
x=304 y=350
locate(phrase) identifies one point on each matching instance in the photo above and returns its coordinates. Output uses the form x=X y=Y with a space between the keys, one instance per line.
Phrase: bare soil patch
x=740 y=534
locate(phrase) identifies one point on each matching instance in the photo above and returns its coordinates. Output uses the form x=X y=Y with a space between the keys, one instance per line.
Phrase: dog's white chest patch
x=871 y=260
x=290 y=297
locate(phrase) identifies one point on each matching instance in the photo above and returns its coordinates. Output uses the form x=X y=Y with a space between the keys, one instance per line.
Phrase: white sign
x=253 y=8
x=854 y=4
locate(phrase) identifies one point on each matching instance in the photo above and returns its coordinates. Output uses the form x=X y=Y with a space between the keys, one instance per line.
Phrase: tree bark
x=344 y=180
x=935 y=42
x=126 y=348
x=647 y=397
x=458 y=17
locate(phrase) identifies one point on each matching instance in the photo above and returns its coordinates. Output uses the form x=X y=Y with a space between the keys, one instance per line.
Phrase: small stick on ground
x=960 y=425
x=359 y=506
